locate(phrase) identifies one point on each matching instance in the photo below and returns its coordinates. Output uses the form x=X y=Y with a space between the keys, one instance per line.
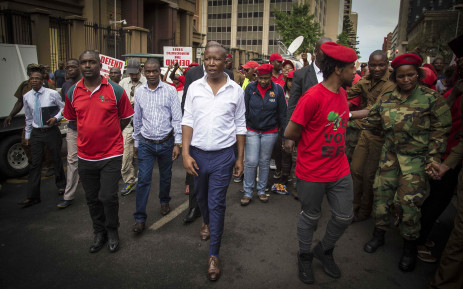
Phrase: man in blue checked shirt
x=41 y=133
x=158 y=136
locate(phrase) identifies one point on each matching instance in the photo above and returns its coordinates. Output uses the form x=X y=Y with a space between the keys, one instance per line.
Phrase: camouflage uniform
x=365 y=158
x=416 y=130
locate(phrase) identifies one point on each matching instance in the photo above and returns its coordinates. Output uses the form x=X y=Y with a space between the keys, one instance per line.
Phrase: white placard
x=108 y=63
x=182 y=55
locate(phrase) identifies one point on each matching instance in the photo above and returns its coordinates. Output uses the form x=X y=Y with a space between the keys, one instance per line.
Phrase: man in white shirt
x=42 y=109
x=135 y=80
x=214 y=119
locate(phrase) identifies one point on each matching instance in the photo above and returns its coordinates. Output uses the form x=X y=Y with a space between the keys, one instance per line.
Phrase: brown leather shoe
x=245 y=201
x=28 y=202
x=139 y=227
x=165 y=209
x=213 y=271
x=263 y=198
x=204 y=232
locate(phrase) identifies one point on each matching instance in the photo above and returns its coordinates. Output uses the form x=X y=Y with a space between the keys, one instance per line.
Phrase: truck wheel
x=14 y=161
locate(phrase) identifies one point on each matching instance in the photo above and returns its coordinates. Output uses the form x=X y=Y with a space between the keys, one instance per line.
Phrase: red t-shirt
x=97 y=115
x=454 y=136
x=321 y=150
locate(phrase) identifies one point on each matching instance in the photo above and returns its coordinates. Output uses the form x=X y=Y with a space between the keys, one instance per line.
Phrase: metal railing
x=101 y=38
x=15 y=27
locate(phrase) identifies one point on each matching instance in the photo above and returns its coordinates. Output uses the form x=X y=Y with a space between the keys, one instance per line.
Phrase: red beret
x=339 y=52
x=275 y=56
x=229 y=55
x=287 y=61
x=290 y=74
x=193 y=64
x=430 y=78
x=250 y=64
x=406 y=59
x=264 y=69
x=430 y=67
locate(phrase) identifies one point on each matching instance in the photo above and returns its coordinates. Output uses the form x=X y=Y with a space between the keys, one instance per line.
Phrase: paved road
x=44 y=247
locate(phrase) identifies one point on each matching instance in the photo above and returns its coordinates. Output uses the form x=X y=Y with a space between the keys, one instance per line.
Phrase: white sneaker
x=273 y=166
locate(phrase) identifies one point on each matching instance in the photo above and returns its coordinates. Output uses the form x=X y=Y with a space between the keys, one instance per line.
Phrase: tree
x=348 y=36
x=296 y=23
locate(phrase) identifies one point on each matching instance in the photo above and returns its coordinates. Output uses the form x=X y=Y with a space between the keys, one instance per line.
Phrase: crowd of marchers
x=380 y=142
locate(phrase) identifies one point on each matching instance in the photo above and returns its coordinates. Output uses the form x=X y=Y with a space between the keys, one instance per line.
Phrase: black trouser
x=40 y=138
x=439 y=198
x=100 y=181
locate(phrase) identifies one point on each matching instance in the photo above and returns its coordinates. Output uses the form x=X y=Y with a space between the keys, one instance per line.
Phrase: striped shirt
x=157 y=112
x=48 y=97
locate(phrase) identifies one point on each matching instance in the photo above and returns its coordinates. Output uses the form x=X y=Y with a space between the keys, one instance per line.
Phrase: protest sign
x=108 y=62
x=182 y=55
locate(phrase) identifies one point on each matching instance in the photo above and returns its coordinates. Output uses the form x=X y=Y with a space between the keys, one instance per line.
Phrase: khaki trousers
x=449 y=274
x=72 y=175
x=364 y=164
x=128 y=171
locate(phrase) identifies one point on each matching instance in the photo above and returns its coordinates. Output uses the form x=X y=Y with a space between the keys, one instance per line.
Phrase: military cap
x=339 y=52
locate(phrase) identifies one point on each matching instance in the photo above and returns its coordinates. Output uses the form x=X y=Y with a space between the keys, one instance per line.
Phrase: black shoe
x=113 y=241
x=326 y=257
x=98 y=242
x=28 y=202
x=408 y=259
x=304 y=263
x=192 y=215
x=376 y=242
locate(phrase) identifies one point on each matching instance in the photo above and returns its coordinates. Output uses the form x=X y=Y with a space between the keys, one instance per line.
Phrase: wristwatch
x=179 y=145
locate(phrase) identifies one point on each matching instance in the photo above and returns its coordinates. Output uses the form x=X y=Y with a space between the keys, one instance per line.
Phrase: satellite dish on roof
x=295 y=44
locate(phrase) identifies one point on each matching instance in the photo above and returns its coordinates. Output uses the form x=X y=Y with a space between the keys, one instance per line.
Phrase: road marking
x=172 y=215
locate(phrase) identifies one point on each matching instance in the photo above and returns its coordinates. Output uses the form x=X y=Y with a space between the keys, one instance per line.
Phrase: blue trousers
x=211 y=185
x=148 y=153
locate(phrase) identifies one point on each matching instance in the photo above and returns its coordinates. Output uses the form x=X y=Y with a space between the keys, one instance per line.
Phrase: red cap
x=275 y=56
x=287 y=61
x=406 y=59
x=181 y=79
x=290 y=74
x=229 y=55
x=193 y=64
x=430 y=78
x=339 y=52
x=430 y=67
x=251 y=64
x=264 y=69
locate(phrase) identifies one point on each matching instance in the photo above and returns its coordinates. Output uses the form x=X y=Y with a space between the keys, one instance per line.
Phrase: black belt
x=171 y=133
x=44 y=129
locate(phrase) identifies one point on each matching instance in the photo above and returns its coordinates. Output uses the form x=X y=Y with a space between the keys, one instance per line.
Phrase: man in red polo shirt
x=319 y=124
x=102 y=110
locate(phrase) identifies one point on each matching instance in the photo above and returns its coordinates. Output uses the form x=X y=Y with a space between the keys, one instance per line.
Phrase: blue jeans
x=147 y=155
x=259 y=148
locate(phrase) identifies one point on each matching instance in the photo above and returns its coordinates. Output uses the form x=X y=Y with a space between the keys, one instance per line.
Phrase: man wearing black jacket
x=192 y=75
x=304 y=79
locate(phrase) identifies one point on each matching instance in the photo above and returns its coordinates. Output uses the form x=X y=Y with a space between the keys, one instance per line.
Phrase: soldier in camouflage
x=416 y=122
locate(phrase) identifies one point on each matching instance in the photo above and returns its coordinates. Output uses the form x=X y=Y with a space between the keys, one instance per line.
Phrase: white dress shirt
x=48 y=97
x=318 y=73
x=216 y=120
x=157 y=112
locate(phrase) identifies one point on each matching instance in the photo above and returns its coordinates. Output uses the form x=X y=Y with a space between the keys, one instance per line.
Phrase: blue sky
x=376 y=18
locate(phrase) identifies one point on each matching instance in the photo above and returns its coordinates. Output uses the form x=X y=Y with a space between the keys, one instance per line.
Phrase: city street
x=44 y=247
